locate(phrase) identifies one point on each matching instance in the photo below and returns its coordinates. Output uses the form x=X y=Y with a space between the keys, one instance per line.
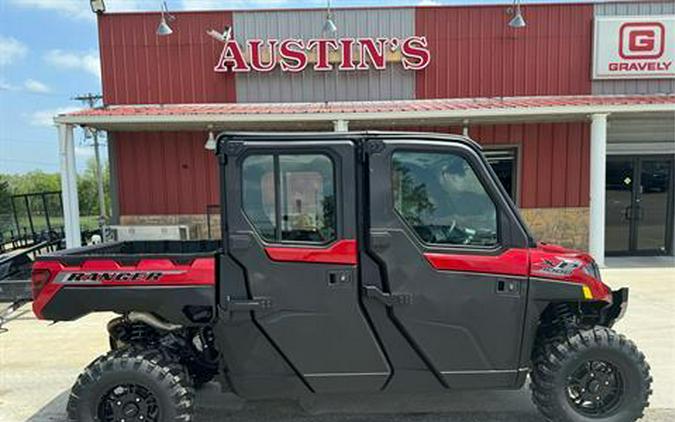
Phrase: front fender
x=614 y=311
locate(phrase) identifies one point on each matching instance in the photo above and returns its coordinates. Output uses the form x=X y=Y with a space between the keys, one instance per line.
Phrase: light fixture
x=164 y=29
x=518 y=21
x=329 y=26
x=224 y=36
x=211 y=140
x=97 y=6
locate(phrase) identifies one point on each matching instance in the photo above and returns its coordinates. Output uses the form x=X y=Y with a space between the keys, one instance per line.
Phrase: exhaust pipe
x=152 y=321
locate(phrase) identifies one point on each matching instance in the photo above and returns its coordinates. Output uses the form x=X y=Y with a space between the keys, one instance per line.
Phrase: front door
x=292 y=229
x=452 y=259
x=639 y=205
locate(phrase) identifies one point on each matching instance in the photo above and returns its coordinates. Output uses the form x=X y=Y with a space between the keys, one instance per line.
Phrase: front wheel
x=590 y=375
x=132 y=385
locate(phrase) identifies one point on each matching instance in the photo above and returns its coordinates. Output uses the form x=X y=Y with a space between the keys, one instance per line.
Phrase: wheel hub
x=130 y=410
x=128 y=403
x=595 y=388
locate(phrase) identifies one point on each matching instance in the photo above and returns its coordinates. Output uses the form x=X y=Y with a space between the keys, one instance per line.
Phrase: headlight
x=592 y=270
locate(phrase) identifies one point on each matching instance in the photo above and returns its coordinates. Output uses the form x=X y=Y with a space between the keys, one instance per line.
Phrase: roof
x=232 y=116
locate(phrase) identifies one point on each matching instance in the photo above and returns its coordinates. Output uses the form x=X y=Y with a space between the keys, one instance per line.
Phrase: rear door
x=453 y=256
x=291 y=218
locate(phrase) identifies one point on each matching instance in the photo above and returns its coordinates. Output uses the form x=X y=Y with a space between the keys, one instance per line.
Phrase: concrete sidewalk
x=39 y=363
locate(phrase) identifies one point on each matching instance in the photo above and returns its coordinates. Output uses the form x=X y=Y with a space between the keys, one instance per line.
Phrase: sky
x=49 y=54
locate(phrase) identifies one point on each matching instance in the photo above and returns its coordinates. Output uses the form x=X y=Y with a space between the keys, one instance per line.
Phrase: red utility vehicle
x=351 y=262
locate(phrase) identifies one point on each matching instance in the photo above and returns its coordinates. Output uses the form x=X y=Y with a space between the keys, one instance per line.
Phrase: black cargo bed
x=130 y=252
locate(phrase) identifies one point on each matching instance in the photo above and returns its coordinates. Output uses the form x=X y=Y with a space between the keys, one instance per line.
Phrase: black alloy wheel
x=589 y=375
x=133 y=384
x=129 y=403
x=595 y=388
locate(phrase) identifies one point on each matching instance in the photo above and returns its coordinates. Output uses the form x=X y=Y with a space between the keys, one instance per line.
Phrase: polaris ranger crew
x=349 y=262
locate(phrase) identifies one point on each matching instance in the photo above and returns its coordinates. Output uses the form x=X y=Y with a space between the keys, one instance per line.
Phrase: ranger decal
x=99 y=277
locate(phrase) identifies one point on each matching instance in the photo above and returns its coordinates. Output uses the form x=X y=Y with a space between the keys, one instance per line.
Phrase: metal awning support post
x=341 y=126
x=596 y=241
x=71 y=208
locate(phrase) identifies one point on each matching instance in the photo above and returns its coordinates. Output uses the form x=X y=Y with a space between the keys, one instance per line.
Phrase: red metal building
x=538 y=98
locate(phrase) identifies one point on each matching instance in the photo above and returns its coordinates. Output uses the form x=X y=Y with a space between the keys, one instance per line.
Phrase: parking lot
x=39 y=362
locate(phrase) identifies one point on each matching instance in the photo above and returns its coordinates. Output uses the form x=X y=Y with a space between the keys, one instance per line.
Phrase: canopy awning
x=362 y=114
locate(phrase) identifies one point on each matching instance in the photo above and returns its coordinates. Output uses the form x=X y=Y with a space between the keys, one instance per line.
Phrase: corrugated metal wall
x=171 y=173
x=390 y=84
x=138 y=67
x=642 y=128
x=555 y=168
x=476 y=54
x=165 y=173
x=635 y=86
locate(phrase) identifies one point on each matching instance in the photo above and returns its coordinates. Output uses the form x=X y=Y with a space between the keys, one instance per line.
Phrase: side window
x=258 y=194
x=442 y=199
x=290 y=197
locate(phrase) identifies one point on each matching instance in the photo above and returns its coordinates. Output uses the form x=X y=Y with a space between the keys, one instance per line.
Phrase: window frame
x=517 y=166
x=276 y=173
x=471 y=161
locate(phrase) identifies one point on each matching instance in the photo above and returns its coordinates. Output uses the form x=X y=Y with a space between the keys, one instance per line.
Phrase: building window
x=290 y=198
x=442 y=199
x=504 y=163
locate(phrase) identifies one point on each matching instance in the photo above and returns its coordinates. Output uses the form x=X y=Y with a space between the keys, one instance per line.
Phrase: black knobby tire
x=597 y=352
x=154 y=377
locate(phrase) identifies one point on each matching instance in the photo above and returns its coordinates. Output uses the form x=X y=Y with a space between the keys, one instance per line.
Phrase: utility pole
x=90 y=100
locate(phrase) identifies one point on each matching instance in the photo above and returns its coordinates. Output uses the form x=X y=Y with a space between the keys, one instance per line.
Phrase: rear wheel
x=131 y=384
x=592 y=374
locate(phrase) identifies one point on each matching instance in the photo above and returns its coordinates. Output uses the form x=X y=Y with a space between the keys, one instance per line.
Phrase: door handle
x=640 y=213
x=339 y=278
x=388 y=299
x=508 y=288
x=245 y=305
x=627 y=215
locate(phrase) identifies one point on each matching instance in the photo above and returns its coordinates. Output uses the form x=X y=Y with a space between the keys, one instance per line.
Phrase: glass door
x=654 y=203
x=639 y=205
x=619 y=202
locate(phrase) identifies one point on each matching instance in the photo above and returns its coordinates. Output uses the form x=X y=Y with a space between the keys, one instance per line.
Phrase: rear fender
x=178 y=292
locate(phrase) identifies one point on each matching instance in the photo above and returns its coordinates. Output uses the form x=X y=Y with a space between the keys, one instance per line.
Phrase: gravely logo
x=634 y=47
x=347 y=54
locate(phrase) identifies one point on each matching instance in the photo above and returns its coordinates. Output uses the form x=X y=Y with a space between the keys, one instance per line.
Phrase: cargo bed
x=173 y=279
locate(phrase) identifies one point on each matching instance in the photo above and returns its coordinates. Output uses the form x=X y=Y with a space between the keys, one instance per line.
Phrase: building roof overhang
x=363 y=114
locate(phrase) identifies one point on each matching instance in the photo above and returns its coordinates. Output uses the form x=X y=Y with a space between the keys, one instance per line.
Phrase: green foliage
x=88 y=190
x=411 y=198
x=34 y=181
x=38 y=181
x=5 y=193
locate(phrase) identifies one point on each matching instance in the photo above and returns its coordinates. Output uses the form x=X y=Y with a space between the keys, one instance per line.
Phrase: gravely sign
x=347 y=54
x=631 y=47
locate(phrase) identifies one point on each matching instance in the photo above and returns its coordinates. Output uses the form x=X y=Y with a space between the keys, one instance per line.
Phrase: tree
x=6 y=221
x=33 y=182
x=38 y=181
x=88 y=190
x=5 y=194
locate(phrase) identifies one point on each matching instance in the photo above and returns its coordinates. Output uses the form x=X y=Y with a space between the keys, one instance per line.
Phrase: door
x=639 y=205
x=452 y=257
x=291 y=218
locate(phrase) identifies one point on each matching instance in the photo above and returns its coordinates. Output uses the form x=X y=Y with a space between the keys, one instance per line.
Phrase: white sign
x=634 y=47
